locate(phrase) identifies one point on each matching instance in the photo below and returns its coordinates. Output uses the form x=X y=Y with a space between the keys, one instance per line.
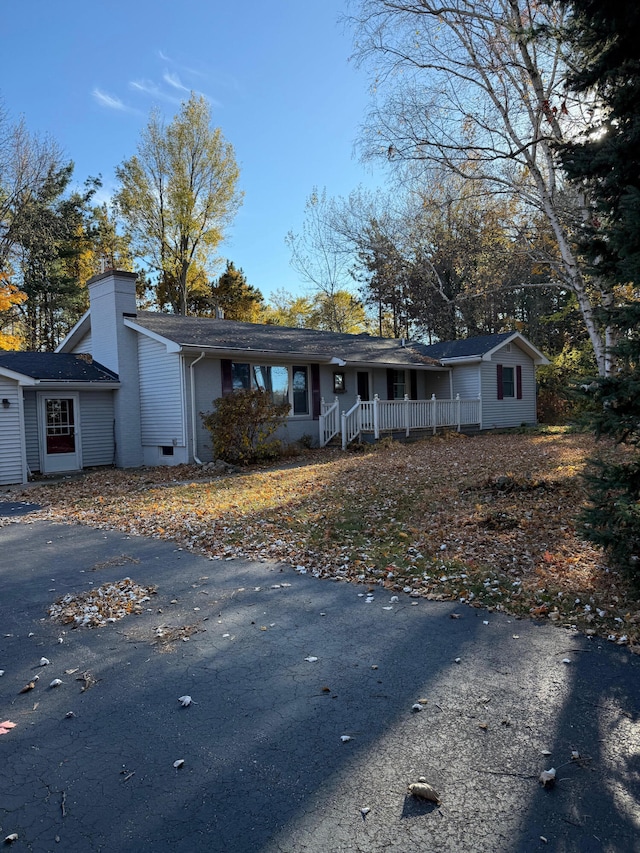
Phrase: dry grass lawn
x=488 y=520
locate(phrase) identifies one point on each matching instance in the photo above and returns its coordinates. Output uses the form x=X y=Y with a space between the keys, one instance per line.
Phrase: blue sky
x=277 y=75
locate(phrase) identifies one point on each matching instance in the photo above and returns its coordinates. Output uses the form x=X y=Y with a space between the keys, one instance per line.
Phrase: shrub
x=242 y=427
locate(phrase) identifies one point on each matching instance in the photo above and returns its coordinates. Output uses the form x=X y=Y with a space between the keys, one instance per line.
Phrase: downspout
x=194 y=431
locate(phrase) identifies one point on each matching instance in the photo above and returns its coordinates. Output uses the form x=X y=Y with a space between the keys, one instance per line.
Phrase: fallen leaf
x=345 y=738
x=9 y=839
x=424 y=791
x=548 y=778
x=88 y=681
x=185 y=701
x=6 y=727
x=179 y=763
x=44 y=661
x=30 y=685
x=311 y=659
x=56 y=682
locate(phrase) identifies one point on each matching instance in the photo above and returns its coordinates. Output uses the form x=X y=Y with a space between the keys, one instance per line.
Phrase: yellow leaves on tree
x=10 y=295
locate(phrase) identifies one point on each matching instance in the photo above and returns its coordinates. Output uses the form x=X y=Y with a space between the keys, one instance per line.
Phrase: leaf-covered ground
x=488 y=520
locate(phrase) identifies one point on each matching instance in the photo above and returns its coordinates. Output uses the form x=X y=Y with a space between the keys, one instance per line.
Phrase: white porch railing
x=377 y=416
x=329 y=421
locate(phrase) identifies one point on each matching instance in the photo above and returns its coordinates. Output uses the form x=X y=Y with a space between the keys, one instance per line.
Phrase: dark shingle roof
x=55 y=366
x=467 y=348
x=253 y=338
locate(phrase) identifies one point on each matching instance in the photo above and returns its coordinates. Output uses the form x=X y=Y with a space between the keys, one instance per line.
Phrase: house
x=127 y=387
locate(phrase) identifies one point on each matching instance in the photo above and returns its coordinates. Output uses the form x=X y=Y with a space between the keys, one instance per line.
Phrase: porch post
x=407 y=415
x=376 y=418
x=458 y=410
x=434 y=413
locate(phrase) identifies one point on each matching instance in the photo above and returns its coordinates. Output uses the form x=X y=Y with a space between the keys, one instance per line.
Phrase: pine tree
x=604 y=38
x=613 y=518
x=234 y=297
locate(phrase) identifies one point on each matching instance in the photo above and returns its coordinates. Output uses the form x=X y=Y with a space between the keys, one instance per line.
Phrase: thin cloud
x=111 y=102
x=174 y=81
x=148 y=87
x=184 y=68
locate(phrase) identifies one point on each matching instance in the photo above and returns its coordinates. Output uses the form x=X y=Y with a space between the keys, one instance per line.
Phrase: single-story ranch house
x=127 y=387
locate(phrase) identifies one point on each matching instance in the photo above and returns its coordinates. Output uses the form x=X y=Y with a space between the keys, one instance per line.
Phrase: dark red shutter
x=500 y=385
x=315 y=391
x=227 y=376
x=414 y=384
x=389 y=383
x=519 y=382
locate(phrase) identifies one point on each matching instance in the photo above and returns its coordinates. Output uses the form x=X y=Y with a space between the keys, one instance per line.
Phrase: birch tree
x=469 y=87
x=321 y=256
x=177 y=196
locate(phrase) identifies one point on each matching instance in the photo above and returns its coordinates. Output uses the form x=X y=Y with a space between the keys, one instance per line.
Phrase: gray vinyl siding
x=84 y=345
x=509 y=412
x=434 y=383
x=208 y=382
x=11 y=441
x=466 y=381
x=161 y=403
x=31 y=430
x=96 y=425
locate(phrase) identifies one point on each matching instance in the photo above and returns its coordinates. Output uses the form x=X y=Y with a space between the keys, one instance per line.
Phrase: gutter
x=194 y=431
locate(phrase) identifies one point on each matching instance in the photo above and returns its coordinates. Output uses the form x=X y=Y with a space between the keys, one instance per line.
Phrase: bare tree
x=321 y=255
x=468 y=86
x=26 y=165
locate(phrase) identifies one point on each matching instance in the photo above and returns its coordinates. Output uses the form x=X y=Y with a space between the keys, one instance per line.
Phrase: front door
x=362 y=379
x=60 y=446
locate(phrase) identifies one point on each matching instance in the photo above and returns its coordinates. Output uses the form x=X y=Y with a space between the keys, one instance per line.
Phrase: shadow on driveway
x=265 y=767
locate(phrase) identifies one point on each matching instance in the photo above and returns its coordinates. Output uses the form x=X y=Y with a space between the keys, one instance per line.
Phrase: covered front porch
x=377 y=416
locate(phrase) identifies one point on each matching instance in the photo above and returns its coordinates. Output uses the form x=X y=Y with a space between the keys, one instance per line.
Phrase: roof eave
x=20 y=378
x=171 y=345
x=465 y=359
x=538 y=357
x=76 y=384
x=75 y=335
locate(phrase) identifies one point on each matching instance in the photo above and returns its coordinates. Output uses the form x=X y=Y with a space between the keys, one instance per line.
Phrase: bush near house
x=242 y=426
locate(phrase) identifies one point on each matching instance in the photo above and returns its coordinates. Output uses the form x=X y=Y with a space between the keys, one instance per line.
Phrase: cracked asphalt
x=266 y=768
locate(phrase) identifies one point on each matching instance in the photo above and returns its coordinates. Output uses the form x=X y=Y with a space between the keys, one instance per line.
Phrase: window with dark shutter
x=227 y=376
x=315 y=390
x=519 y=382
x=413 y=382
x=500 y=385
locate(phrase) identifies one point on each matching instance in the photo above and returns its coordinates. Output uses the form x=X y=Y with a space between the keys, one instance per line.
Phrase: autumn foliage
x=242 y=426
x=10 y=295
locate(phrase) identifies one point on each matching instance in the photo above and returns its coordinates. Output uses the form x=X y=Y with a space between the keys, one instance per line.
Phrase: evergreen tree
x=613 y=518
x=234 y=297
x=603 y=38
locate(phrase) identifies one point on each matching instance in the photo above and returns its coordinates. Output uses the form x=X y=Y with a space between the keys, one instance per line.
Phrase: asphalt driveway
x=301 y=736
